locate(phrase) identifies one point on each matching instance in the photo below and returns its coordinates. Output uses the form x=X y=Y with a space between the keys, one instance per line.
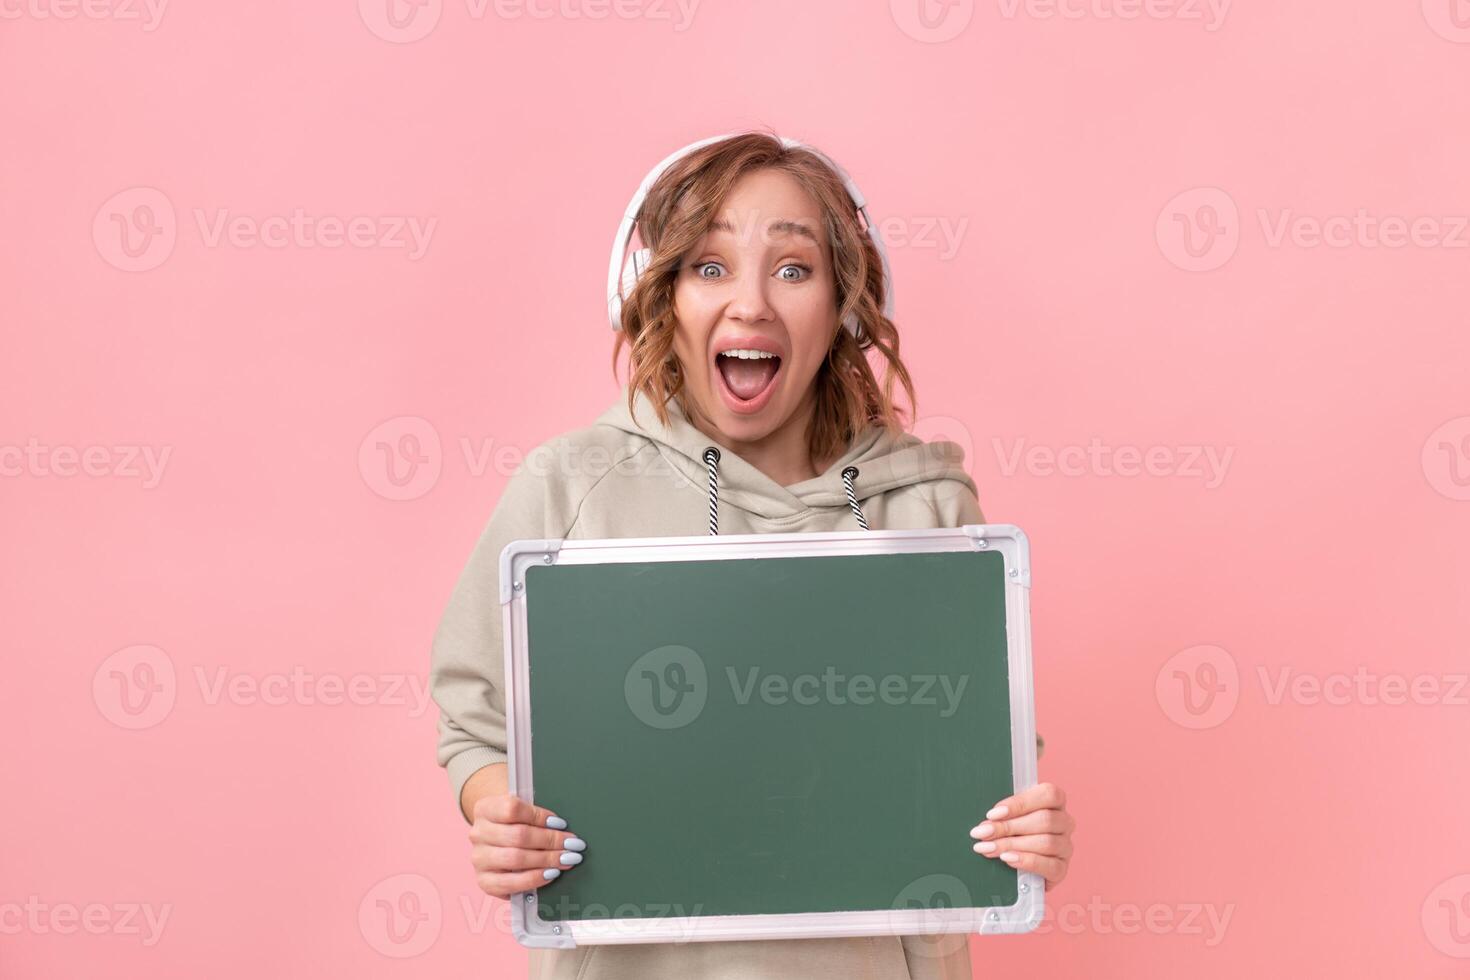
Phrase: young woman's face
x=760 y=282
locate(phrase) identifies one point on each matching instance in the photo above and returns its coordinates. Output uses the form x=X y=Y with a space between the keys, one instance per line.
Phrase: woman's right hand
x=518 y=846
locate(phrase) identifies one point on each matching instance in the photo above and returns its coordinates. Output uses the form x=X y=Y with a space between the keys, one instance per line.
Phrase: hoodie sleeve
x=467 y=669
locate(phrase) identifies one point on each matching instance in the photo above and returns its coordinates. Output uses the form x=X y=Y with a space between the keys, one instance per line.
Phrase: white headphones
x=621 y=280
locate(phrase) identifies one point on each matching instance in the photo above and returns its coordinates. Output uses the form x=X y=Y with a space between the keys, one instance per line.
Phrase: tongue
x=748 y=377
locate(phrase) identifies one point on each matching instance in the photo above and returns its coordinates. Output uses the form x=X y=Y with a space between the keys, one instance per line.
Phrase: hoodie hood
x=885 y=460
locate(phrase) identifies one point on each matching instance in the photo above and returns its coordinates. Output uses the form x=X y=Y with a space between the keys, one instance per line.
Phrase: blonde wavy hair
x=676 y=215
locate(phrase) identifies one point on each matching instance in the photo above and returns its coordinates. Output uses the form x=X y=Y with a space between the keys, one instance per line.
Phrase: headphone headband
x=621 y=276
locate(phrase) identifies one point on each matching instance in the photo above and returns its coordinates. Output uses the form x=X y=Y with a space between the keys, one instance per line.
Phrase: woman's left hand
x=1031 y=831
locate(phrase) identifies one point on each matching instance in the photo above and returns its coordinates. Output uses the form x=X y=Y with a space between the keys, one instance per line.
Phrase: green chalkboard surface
x=757 y=736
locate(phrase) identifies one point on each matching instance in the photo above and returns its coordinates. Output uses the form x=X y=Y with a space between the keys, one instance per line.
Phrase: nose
x=750 y=304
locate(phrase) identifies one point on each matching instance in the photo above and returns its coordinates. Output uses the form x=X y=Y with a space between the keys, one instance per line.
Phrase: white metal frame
x=1009 y=540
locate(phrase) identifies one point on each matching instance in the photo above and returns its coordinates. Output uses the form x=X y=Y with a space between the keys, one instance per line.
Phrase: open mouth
x=748 y=376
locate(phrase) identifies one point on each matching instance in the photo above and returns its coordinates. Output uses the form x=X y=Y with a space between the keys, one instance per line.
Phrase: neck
x=781 y=454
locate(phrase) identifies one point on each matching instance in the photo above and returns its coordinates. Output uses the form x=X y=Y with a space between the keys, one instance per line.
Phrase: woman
x=752 y=403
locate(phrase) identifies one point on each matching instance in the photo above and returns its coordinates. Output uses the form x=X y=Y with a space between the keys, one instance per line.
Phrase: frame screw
x=546 y=559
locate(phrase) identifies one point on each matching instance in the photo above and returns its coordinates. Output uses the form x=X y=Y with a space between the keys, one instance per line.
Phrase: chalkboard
x=772 y=736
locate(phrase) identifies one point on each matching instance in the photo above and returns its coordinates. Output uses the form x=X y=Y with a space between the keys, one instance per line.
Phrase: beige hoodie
x=620 y=478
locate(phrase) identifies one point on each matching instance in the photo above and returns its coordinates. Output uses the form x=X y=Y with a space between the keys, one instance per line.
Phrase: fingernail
x=556 y=823
x=985 y=847
x=1010 y=857
x=575 y=844
x=550 y=873
x=997 y=813
x=984 y=830
x=570 y=857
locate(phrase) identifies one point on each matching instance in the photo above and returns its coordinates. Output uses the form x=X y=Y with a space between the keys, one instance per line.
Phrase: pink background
x=1119 y=183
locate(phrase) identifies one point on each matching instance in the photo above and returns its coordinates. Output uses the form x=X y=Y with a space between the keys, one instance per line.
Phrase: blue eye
x=699 y=268
x=800 y=268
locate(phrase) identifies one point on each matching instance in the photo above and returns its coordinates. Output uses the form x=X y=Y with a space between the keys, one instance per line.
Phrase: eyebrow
x=792 y=227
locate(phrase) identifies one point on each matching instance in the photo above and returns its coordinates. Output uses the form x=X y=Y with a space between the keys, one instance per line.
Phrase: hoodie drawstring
x=711 y=462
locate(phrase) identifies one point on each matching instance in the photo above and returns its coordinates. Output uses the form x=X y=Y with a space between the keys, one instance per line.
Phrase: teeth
x=745 y=354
